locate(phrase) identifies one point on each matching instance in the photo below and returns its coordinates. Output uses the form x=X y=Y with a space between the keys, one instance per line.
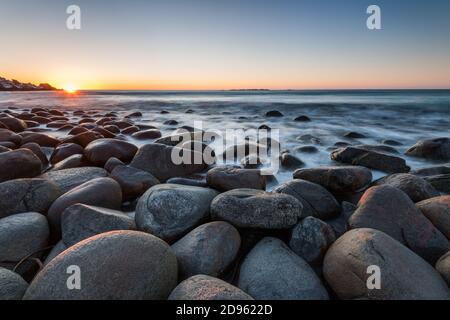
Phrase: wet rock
x=307 y=149
x=158 y=159
x=203 y=287
x=347 y=261
x=26 y=195
x=99 y=151
x=438 y=149
x=337 y=179
x=340 y=223
x=102 y=192
x=437 y=210
x=36 y=149
x=135 y=114
x=208 y=249
x=290 y=162
x=68 y=179
x=377 y=148
x=189 y=181
x=171 y=122
x=73 y=161
x=302 y=119
x=228 y=178
x=112 y=163
x=390 y=210
x=137 y=260
x=147 y=134
x=392 y=142
x=239 y=151
x=354 y=135
x=20 y=163
x=177 y=139
x=10 y=136
x=84 y=138
x=21 y=235
x=42 y=139
x=12 y=285
x=271 y=271
x=308 y=138
x=112 y=128
x=274 y=113
x=14 y=124
x=415 y=187
x=105 y=133
x=249 y=208
x=310 y=239
x=169 y=211
x=440 y=182
x=432 y=171
x=81 y=221
x=134 y=182
x=443 y=267
x=4 y=149
x=77 y=130
x=370 y=159
x=316 y=200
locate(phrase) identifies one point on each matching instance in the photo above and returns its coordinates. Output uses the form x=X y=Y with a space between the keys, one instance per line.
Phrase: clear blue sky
x=214 y=44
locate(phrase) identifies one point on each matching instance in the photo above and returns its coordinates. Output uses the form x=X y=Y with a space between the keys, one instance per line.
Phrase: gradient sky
x=226 y=44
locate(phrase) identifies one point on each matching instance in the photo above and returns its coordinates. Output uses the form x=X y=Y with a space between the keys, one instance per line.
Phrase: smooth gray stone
x=169 y=211
x=271 y=271
x=404 y=275
x=117 y=265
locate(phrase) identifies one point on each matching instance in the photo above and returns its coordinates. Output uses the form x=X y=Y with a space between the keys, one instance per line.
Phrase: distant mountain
x=14 y=85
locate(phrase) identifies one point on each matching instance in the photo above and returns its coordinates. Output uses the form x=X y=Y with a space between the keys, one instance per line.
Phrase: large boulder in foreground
x=100 y=150
x=164 y=162
x=21 y=235
x=117 y=265
x=81 y=221
x=68 y=179
x=437 y=210
x=249 y=208
x=443 y=267
x=203 y=287
x=316 y=200
x=390 y=210
x=101 y=192
x=404 y=275
x=12 y=285
x=271 y=271
x=438 y=149
x=27 y=195
x=168 y=211
x=415 y=187
x=229 y=178
x=337 y=179
x=208 y=249
x=370 y=159
x=20 y=163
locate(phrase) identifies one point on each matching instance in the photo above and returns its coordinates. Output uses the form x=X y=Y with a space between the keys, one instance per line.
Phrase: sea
x=405 y=116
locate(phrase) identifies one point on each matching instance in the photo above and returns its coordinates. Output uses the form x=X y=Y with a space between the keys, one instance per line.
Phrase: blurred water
x=405 y=115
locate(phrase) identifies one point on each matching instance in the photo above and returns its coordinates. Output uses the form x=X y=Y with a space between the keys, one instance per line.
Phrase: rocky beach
x=92 y=205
